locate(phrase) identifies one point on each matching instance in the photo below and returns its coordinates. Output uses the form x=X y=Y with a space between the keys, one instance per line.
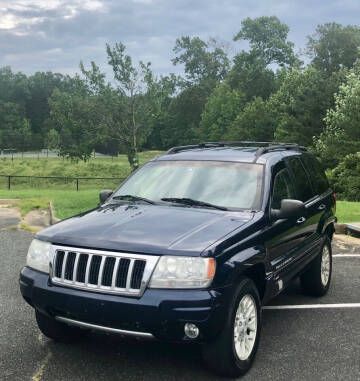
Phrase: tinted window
x=317 y=174
x=301 y=181
x=233 y=185
x=283 y=188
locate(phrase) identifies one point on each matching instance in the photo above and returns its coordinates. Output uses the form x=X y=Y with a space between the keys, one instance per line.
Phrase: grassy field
x=347 y=211
x=66 y=203
x=118 y=167
x=69 y=202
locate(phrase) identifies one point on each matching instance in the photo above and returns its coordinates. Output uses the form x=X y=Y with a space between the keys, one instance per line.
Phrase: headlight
x=38 y=256
x=183 y=272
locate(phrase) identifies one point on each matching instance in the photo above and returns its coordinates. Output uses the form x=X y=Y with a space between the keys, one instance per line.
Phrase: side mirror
x=290 y=209
x=104 y=195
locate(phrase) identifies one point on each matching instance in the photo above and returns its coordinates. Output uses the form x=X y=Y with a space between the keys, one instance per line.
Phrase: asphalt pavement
x=320 y=340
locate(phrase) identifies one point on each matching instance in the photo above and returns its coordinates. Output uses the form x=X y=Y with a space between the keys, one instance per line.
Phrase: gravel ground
x=309 y=344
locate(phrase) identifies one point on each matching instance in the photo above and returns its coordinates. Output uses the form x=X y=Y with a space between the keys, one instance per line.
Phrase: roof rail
x=278 y=147
x=194 y=146
x=263 y=147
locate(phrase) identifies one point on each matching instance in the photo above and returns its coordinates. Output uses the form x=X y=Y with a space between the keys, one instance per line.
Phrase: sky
x=43 y=35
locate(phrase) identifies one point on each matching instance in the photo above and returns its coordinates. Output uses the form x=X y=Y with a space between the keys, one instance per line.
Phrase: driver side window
x=283 y=188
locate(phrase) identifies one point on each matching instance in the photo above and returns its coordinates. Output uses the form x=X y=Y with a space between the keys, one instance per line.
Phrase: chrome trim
x=82 y=324
x=151 y=261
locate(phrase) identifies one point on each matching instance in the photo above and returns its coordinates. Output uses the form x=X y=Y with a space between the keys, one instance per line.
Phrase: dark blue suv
x=188 y=249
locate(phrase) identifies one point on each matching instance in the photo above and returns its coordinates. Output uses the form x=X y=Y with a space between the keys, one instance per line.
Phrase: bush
x=345 y=178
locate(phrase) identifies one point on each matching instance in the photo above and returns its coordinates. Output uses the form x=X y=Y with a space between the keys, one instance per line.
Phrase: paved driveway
x=303 y=338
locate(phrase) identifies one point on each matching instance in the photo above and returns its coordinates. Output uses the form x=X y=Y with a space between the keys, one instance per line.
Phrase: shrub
x=345 y=178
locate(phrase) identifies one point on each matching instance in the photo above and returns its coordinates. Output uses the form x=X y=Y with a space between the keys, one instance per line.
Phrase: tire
x=57 y=331
x=223 y=355
x=316 y=280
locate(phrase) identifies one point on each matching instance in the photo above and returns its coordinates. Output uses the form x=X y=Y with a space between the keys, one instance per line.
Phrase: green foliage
x=183 y=115
x=256 y=122
x=342 y=133
x=72 y=116
x=252 y=72
x=345 y=178
x=202 y=62
x=267 y=37
x=219 y=113
x=52 y=140
x=301 y=104
x=334 y=47
x=250 y=76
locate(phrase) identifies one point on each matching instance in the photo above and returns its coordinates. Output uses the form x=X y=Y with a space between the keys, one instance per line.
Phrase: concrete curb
x=53 y=219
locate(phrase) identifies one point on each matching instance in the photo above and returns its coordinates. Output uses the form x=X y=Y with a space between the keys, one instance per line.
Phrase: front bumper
x=162 y=313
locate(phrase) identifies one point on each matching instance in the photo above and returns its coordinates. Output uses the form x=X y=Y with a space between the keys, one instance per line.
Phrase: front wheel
x=316 y=280
x=233 y=352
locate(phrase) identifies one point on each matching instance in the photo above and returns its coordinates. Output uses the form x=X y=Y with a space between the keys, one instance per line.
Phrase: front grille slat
x=100 y=271
x=137 y=274
x=63 y=266
x=122 y=273
x=76 y=264
x=69 y=266
x=81 y=269
x=94 y=269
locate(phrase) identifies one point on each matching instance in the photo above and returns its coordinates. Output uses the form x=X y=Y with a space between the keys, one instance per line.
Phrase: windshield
x=227 y=184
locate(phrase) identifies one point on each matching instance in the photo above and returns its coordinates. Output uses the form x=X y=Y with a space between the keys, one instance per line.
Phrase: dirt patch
x=37 y=218
x=346 y=243
x=10 y=217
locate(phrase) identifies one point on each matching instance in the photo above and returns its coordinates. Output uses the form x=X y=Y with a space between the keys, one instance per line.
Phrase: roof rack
x=278 y=147
x=263 y=147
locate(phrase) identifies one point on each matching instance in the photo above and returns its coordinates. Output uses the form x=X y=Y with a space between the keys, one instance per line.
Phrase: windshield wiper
x=130 y=197
x=190 y=201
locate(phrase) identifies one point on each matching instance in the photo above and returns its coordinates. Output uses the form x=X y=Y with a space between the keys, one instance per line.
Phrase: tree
x=12 y=120
x=41 y=86
x=342 y=133
x=126 y=110
x=182 y=117
x=52 y=140
x=255 y=122
x=252 y=72
x=301 y=103
x=334 y=47
x=219 y=113
x=73 y=116
x=202 y=63
x=267 y=37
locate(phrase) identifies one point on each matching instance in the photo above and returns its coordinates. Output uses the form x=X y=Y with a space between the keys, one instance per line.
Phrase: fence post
x=77 y=184
x=9 y=182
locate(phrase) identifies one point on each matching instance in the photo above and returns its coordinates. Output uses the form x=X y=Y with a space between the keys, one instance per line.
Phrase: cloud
x=40 y=35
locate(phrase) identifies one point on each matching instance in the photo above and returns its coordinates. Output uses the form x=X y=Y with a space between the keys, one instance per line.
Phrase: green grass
x=66 y=203
x=118 y=167
x=27 y=204
x=347 y=211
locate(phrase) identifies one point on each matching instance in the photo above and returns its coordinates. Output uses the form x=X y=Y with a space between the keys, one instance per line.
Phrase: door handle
x=300 y=220
x=321 y=207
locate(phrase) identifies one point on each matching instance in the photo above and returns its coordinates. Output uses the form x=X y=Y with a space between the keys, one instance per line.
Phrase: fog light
x=191 y=330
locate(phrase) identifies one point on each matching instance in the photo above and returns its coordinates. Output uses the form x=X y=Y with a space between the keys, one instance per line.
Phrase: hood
x=142 y=228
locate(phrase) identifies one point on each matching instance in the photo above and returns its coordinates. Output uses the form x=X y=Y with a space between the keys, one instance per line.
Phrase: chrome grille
x=101 y=271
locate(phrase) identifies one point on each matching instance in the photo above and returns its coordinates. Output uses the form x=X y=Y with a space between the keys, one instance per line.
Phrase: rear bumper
x=161 y=313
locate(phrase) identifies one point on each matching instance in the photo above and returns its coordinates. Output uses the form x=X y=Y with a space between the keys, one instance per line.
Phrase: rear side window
x=283 y=188
x=301 y=181
x=317 y=174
